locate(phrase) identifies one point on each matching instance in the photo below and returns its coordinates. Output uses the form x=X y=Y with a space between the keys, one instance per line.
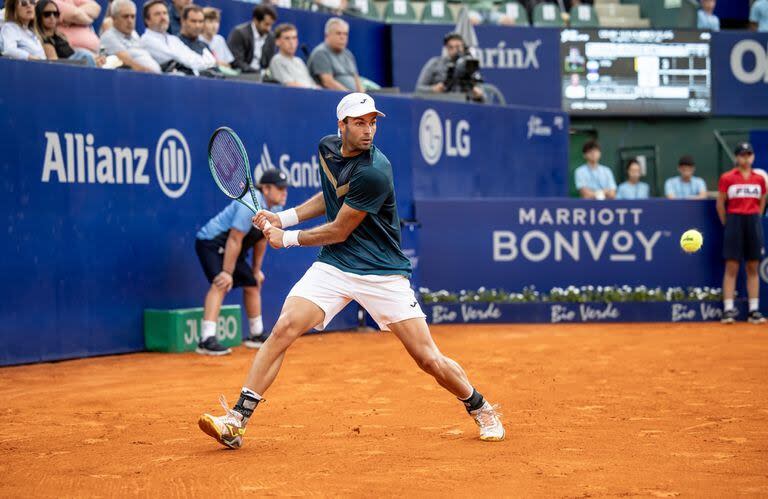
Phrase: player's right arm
x=309 y=209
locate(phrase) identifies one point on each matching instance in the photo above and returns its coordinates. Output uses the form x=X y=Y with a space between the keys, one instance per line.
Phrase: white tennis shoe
x=489 y=421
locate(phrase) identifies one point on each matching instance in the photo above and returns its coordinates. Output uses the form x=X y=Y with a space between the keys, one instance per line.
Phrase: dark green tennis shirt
x=365 y=183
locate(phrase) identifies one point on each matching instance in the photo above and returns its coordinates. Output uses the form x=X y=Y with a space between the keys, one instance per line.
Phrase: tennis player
x=360 y=260
x=222 y=246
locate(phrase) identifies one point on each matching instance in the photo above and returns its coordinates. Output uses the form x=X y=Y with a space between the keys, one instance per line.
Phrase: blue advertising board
x=471 y=151
x=522 y=62
x=740 y=73
x=104 y=190
x=562 y=242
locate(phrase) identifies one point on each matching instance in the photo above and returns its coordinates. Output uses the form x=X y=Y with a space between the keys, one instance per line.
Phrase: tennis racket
x=229 y=166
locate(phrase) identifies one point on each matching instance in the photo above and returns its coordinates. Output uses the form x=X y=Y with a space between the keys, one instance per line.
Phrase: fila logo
x=744 y=191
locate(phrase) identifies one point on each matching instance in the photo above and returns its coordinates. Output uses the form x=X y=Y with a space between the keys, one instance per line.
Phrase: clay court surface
x=593 y=410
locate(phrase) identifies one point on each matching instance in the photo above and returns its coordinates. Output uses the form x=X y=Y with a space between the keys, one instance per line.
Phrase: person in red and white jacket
x=740 y=206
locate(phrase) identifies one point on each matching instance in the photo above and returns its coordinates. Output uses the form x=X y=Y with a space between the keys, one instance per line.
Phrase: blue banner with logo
x=522 y=62
x=471 y=151
x=549 y=243
x=740 y=73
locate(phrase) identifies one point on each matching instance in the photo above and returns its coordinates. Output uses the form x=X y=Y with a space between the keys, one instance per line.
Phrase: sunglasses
x=51 y=13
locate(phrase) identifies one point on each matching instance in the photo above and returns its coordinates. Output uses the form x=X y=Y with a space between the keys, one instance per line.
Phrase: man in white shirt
x=166 y=48
x=211 y=36
x=251 y=43
x=122 y=40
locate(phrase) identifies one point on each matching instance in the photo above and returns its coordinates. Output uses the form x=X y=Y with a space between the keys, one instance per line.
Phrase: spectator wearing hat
x=685 y=185
x=740 y=204
x=222 y=246
x=593 y=180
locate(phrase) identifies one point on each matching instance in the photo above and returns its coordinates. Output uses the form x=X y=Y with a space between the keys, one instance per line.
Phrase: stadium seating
x=437 y=12
x=614 y=14
x=515 y=11
x=584 y=16
x=547 y=15
x=400 y=11
x=365 y=8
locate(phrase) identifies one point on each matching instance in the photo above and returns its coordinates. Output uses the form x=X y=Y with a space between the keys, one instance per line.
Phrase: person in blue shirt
x=632 y=188
x=222 y=246
x=706 y=17
x=685 y=185
x=758 y=15
x=593 y=180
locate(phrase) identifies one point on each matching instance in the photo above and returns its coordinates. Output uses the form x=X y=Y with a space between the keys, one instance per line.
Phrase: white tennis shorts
x=388 y=298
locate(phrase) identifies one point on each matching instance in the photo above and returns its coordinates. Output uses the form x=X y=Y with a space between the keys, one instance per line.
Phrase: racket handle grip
x=267 y=225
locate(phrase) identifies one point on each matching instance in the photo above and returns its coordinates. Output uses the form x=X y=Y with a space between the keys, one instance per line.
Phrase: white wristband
x=291 y=238
x=288 y=218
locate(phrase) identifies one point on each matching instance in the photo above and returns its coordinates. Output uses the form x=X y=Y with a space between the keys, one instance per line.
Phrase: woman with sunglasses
x=56 y=45
x=19 y=39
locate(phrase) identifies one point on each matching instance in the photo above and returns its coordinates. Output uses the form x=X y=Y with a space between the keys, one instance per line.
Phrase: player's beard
x=356 y=146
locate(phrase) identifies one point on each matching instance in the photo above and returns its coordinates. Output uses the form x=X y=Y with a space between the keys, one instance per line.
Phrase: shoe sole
x=209 y=428
x=203 y=351
x=727 y=321
x=253 y=344
x=761 y=321
x=494 y=439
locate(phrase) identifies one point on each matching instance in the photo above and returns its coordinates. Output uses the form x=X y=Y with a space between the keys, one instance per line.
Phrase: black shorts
x=743 y=237
x=211 y=255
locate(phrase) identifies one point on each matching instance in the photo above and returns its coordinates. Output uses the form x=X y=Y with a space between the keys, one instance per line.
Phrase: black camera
x=463 y=74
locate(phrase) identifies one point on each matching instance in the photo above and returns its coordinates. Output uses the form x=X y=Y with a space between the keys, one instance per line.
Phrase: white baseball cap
x=355 y=105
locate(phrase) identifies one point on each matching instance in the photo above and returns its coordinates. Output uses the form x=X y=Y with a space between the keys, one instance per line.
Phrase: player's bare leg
x=297 y=317
x=415 y=336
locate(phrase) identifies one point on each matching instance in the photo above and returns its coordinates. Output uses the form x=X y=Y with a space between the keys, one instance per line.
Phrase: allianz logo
x=503 y=57
x=299 y=173
x=750 y=73
x=76 y=158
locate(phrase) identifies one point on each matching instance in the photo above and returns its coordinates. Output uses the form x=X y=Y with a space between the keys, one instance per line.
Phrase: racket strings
x=229 y=164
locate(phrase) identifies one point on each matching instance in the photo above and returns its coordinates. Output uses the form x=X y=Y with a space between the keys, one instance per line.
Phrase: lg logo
x=173 y=163
x=434 y=135
x=755 y=51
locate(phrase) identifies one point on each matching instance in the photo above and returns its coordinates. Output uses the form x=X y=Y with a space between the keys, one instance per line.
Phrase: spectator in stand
x=192 y=20
x=331 y=63
x=252 y=43
x=593 y=180
x=633 y=188
x=168 y=50
x=758 y=16
x=19 y=40
x=211 y=36
x=685 y=185
x=706 y=17
x=285 y=67
x=77 y=18
x=122 y=40
x=433 y=77
x=175 y=11
x=55 y=44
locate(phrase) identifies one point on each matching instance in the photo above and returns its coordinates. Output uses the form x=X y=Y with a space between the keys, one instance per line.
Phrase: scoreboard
x=636 y=72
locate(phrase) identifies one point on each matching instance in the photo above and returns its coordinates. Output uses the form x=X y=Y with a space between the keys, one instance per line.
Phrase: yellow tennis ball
x=691 y=241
